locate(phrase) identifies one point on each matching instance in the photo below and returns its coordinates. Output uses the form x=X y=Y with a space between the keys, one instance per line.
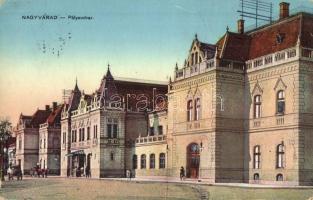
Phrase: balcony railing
x=277 y=58
x=273 y=121
x=150 y=139
x=195 y=69
x=80 y=144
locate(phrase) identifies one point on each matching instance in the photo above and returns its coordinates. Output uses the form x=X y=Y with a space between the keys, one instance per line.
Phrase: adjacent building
x=49 y=141
x=27 y=139
x=38 y=140
x=99 y=129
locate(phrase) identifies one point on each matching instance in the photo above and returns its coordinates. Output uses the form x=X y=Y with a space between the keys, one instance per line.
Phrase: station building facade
x=240 y=110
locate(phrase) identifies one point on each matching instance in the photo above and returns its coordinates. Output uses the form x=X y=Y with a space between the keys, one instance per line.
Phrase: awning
x=78 y=152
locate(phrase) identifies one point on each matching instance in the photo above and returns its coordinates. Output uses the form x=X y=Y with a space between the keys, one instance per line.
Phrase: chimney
x=283 y=10
x=47 y=107
x=241 y=26
x=54 y=105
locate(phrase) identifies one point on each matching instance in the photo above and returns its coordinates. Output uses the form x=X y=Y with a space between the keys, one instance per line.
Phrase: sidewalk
x=204 y=182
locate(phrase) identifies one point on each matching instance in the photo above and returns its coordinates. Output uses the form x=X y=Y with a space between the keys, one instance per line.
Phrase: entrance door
x=193 y=160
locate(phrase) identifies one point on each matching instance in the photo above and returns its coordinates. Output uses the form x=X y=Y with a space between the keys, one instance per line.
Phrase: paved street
x=62 y=188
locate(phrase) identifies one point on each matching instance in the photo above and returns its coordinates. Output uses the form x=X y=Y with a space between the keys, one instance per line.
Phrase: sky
x=138 y=38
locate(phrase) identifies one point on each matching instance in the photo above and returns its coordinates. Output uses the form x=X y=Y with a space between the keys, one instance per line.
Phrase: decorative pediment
x=189 y=94
x=280 y=85
x=257 y=90
x=197 y=92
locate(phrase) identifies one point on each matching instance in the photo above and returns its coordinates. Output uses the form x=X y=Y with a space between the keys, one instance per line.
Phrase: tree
x=5 y=134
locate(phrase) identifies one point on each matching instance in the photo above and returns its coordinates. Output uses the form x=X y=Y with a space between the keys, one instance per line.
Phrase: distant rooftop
x=135 y=80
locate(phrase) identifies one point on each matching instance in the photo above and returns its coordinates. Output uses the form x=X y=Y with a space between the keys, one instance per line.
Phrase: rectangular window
x=192 y=59
x=88 y=133
x=95 y=131
x=112 y=128
x=64 y=137
x=160 y=130
x=280 y=107
x=20 y=143
x=72 y=139
x=83 y=134
x=151 y=131
x=109 y=130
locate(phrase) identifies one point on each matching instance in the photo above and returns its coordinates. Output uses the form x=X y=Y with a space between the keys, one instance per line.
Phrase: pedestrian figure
x=42 y=173
x=46 y=172
x=10 y=173
x=182 y=173
x=87 y=171
x=128 y=174
x=19 y=173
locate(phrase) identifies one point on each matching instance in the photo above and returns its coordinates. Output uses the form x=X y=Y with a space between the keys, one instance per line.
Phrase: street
x=81 y=188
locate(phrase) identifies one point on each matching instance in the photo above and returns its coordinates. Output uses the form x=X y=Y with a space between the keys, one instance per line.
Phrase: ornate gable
x=199 y=52
x=189 y=94
x=257 y=90
x=280 y=85
x=197 y=92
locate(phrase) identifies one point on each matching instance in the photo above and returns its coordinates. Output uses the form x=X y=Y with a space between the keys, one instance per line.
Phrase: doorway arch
x=193 y=160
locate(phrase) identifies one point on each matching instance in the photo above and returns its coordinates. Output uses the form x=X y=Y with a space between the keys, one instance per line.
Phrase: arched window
x=189 y=110
x=257 y=106
x=192 y=59
x=280 y=155
x=143 y=161
x=279 y=177
x=197 y=109
x=135 y=161
x=112 y=155
x=280 y=107
x=162 y=161
x=256 y=176
x=256 y=157
x=152 y=161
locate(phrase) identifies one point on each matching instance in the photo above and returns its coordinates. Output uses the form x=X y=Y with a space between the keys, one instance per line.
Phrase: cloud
x=184 y=9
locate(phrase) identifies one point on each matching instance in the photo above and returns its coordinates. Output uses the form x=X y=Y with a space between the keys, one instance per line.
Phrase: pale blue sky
x=139 y=38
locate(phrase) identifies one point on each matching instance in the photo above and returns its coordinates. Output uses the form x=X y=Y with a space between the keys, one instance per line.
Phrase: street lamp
x=201 y=148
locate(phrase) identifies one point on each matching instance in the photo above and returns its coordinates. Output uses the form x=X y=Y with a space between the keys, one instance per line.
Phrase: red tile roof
x=39 y=117
x=55 y=116
x=264 y=40
x=126 y=89
x=234 y=46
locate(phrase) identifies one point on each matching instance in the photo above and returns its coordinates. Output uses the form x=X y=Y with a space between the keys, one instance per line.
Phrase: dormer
x=199 y=52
